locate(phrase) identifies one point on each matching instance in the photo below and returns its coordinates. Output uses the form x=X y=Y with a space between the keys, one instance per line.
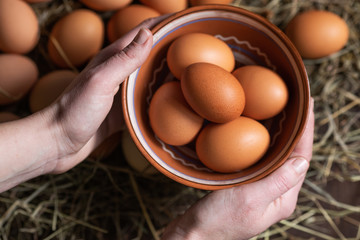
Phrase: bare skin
x=62 y=135
x=245 y=211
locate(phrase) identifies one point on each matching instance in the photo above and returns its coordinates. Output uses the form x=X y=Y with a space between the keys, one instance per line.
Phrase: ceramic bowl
x=254 y=40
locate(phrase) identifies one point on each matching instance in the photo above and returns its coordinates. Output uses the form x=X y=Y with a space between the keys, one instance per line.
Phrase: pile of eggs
x=75 y=36
x=218 y=109
x=70 y=40
x=73 y=39
x=215 y=105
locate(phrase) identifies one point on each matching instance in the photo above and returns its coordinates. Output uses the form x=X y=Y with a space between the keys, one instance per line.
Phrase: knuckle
x=129 y=55
x=149 y=22
x=126 y=54
x=90 y=73
x=282 y=184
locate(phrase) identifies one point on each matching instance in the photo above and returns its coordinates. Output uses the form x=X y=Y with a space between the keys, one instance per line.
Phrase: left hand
x=62 y=135
x=86 y=113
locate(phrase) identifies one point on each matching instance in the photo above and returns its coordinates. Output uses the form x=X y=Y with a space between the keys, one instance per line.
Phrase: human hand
x=247 y=210
x=87 y=113
x=62 y=135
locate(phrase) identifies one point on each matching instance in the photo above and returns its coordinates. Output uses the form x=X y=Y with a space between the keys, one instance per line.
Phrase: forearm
x=65 y=133
x=190 y=227
x=180 y=230
x=28 y=148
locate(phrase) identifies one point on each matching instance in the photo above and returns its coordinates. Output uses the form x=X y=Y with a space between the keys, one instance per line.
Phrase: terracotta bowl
x=253 y=40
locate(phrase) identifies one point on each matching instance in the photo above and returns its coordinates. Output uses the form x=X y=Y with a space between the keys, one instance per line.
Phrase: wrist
x=63 y=154
x=27 y=148
x=48 y=136
x=183 y=228
x=51 y=117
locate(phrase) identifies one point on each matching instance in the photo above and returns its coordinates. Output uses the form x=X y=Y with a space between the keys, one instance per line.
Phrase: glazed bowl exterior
x=254 y=41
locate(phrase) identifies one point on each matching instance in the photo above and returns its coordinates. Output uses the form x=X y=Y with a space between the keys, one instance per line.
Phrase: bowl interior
x=254 y=41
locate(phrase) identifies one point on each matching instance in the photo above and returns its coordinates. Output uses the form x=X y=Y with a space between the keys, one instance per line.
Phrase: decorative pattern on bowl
x=245 y=54
x=254 y=40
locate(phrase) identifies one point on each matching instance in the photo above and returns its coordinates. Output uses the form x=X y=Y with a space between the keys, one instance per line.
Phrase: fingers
x=123 y=62
x=94 y=89
x=291 y=174
x=91 y=96
x=305 y=144
x=125 y=40
x=282 y=180
x=132 y=56
x=302 y=150
x=149 y=24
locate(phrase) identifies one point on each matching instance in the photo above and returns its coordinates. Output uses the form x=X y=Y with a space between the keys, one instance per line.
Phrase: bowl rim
x=299 y=63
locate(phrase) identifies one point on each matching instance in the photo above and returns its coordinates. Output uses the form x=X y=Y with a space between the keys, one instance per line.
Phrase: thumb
x=282 y=180
x=122 y=62
x=293 y=170
x=94 y=89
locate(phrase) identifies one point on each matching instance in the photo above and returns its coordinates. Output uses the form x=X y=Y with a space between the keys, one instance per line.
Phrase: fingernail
x=142 y=36
x=300 y=165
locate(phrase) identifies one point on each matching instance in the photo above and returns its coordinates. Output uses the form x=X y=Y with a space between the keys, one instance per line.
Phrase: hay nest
x=107 y=199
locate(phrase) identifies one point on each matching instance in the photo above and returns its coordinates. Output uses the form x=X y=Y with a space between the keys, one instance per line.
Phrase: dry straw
x=108 y=200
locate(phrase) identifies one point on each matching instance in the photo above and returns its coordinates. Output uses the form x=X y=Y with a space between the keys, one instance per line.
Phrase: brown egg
x=214 y=93
x=266 y=93
x=198 y=47
x=171 y=118
x=317 y=34
x=134 y=157
x=166 y=6
x=76 y=38
x=106 y=5
x=18 y=74
x=49 y=88
x=8 y=117
x=19 y=28
x=204 y=2
x=37 y=1
x=127 y=18
x=232 y=146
